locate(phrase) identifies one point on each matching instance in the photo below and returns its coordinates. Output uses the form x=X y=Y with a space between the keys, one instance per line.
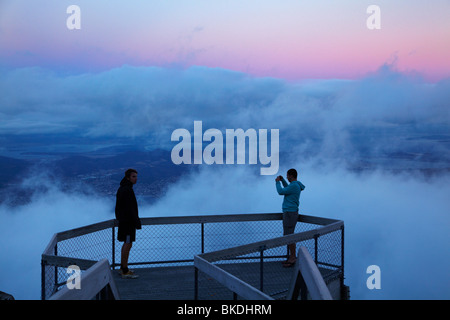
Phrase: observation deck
x=210 y=257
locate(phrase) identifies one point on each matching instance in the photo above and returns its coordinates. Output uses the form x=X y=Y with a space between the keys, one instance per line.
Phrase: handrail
x=271 y=243
x=308 y=276
x=68 y=234
x=314 y=279
x=52 y=257
x=228 y=280
x=64 y=235
x=92 y=282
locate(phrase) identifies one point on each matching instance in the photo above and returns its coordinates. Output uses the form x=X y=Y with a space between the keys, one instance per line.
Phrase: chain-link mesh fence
x=263 y=268
x=174 y=241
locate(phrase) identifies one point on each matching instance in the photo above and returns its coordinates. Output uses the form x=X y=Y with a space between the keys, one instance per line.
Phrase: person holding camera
x=291 y=201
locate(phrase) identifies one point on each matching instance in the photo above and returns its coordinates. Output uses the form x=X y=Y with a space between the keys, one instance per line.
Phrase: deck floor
x=178 y=283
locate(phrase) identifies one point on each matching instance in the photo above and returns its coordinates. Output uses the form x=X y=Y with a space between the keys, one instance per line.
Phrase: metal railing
x=308 y=278
x=265 y=278
x=171 y=241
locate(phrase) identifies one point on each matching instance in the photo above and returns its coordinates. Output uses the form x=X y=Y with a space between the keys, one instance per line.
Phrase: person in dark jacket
x=128 y=217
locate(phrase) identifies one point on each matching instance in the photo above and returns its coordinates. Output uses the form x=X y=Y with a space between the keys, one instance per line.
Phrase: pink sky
x=285 y=39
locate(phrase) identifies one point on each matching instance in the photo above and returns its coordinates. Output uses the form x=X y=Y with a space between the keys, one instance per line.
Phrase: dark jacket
x=126 y=205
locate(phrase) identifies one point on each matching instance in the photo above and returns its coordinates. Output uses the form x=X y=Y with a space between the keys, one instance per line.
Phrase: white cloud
x=384 y=112
x=398 y=223
x=26 y=230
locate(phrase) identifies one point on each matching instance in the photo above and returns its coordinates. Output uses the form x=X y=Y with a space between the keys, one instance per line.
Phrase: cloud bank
x=387 y=119
x=384 y=113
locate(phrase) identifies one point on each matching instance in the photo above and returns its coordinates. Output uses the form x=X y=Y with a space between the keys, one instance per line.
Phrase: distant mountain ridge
x=101 y=173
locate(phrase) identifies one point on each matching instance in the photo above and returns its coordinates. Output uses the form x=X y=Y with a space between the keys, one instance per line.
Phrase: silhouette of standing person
x=290 y=206
x=128 y=217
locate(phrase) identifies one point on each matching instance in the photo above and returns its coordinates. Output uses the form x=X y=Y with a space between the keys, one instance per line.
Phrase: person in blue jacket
x=291 y=201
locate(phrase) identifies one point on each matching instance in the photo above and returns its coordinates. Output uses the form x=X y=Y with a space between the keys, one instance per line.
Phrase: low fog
x=398 y=222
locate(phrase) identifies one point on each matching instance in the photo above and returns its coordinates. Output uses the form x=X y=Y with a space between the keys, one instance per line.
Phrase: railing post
x=113 y=258
x=203 y=238
x=55 y=281
x=342 y=248
x=261 y=267
x=316 y=251
x=195 y=283
x=42 y=279
x=342 y=256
